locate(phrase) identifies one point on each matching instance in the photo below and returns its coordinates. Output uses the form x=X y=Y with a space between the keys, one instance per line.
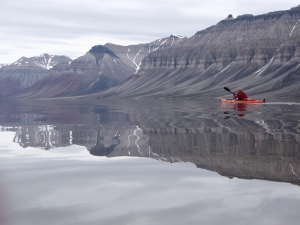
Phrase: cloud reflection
x=139 y=191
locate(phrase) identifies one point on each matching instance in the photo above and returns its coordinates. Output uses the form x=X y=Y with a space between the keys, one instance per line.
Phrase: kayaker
x=240 y=94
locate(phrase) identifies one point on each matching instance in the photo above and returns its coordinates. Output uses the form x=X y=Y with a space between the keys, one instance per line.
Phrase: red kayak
x=247 y=100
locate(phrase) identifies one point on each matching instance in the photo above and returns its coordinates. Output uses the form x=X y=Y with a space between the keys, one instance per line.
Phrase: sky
x=64 y=27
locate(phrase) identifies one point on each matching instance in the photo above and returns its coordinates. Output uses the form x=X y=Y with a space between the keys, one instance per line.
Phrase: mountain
x=260 y=53
x=27 y=71
x=102 y=67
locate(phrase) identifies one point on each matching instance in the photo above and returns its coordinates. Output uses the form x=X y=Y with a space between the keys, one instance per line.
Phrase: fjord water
x=149 y=162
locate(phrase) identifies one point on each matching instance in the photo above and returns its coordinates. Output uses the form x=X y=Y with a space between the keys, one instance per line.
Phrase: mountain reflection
x=252 y=147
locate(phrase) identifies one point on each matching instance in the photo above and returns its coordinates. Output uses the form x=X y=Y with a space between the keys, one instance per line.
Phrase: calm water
x=149 y=162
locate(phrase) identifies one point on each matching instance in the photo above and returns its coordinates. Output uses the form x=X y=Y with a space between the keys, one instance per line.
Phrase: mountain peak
x=99 y=51
x=175 y=36
x=44 y=55
x=229 y=17
x=102 y=50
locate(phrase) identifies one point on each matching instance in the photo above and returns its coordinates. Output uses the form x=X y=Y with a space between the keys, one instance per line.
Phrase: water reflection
x=254 y=142
x=239 y=109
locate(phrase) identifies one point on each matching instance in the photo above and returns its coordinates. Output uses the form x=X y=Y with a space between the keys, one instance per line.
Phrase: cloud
x=138 y=191
x=47 y=25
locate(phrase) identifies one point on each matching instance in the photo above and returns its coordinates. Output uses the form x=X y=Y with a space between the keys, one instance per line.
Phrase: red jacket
x=241 y=95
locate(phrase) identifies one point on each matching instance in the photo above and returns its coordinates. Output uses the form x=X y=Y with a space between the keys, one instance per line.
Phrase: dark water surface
x=149 y=162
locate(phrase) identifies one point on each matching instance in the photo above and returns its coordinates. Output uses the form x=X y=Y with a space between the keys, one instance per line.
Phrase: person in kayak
x=240 y=95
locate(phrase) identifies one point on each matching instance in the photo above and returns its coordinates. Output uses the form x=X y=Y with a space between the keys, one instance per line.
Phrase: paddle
x=227 y=117
x=227 y=89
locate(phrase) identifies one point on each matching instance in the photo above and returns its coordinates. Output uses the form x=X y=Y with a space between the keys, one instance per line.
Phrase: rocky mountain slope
x=259 y=53
x=99 y=69
x=26 y=71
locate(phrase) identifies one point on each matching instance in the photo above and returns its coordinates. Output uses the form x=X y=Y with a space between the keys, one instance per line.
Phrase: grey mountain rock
x=259 y=53
x=27 y=71
x=102 y=67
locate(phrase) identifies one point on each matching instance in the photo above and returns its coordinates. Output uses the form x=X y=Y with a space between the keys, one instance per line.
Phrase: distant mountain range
x=25 y=72
x=100 y=68
x=261 y=54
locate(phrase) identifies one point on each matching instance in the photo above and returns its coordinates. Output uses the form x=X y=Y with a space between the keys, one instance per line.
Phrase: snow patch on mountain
x=294 y=27
x=260 y=71
x=223 y=70
x=44 y=61
x=136 y=66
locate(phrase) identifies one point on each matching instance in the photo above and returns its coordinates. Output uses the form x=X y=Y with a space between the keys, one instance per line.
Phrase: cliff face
x=99 y=69
x=259 y=53
x=25 y=72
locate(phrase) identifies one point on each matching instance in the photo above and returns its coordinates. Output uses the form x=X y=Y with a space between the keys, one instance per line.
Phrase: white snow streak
x=222 y=70
x=49 y=61
x=207 y=69
x=260 y=71
x=224 y=127
x=45 y=63
x=161 y=44
x=294 y=27
x=294 y=172
x=128 y=141
x=138 y=137
x=172 y=41
x=265 y=126
x=94 y=81
x=136 y=66
x=43 y=135
x=71 y=137
x=137 y=53
x=136 y=141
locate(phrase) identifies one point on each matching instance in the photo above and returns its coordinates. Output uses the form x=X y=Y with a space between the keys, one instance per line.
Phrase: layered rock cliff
x=259 y=53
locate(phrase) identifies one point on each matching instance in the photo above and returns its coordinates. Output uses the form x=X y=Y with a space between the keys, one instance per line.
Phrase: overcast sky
x=71 y=28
